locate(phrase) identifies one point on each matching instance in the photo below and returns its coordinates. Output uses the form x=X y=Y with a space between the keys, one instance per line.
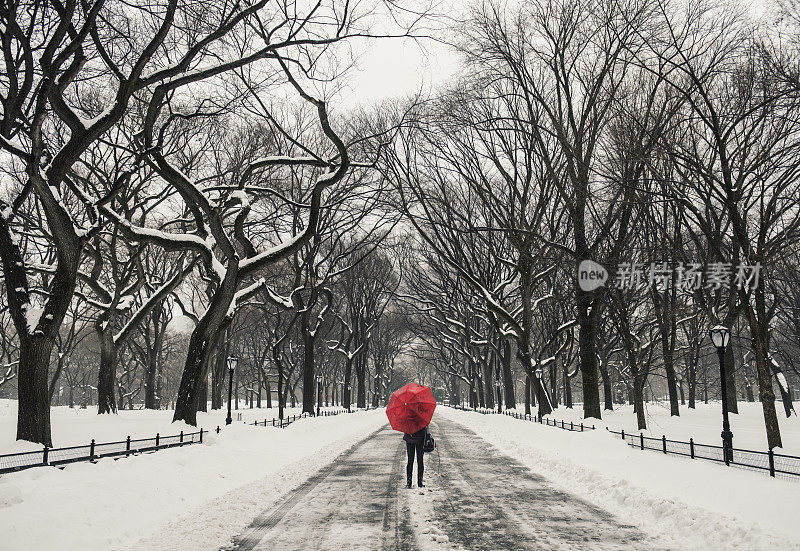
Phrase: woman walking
x=414 y=444
x=410 y=410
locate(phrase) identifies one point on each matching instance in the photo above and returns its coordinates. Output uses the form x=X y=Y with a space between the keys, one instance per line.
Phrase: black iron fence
x=566 y=425
x=289 y=419
x=95 y=450
x=776 y=464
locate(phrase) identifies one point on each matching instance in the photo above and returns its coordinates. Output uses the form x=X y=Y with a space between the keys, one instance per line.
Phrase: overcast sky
x=391 y=68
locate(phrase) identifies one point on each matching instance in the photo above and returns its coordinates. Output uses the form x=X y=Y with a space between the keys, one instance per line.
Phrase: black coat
x=416 y=438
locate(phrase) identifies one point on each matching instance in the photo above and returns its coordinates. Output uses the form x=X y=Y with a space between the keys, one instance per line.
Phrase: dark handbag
x=430 y=444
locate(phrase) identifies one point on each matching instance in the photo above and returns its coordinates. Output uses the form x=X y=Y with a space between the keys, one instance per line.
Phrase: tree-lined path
x=476 y=498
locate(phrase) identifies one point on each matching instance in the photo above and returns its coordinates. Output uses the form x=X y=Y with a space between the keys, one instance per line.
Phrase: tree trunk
x=309 y=385
x=638 y=400
x=376 y=395
x=508 y=376
x=488 y=382
x=608 y=395
x=568 y=389
x=587 y=353
x=281 y=401
x=33 y=400
x=765 y=390
x=193 y=376
x=347 y=390
x=730 y=380
x=527 y=395
x=151 y=389
x=218 y=369
x=107 y=376
x=473 y=395
x=692 y=380
x=203 y=401
x=361 y=398
x=203 y=338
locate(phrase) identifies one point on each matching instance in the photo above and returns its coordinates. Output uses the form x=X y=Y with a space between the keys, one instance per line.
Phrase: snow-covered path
x=350 y=504
x=476 y=499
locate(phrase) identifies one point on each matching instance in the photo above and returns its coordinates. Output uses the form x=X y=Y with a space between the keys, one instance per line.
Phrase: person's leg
x=410 y=465
x=420 y=464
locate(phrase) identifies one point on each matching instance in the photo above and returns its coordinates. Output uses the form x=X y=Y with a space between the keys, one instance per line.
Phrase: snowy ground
x=704 y=423
x=475 y=498
x=683 y=504
x=495 y=483
x=78 y=426
x=187 y=498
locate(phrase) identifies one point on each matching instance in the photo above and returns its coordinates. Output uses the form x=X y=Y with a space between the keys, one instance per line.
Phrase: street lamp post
x=232 y=361
x=349 y=398
x=539 y=393
x=499 y=404
x=319 y=392
x=720 y=335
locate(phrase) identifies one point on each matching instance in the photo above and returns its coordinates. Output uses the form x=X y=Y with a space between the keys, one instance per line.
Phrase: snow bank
x=75 y=426
x=194 y=497
x=683 y=503
x=703 y=423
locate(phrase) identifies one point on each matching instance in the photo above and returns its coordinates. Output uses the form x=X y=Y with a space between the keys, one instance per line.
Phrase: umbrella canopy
x=410 y=408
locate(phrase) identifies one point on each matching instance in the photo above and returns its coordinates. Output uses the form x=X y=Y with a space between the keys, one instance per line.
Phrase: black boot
x=408 y=483
x=420 y=484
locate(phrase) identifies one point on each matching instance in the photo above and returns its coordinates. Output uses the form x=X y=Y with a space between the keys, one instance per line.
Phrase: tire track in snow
x=490 y=501
x=348 y=503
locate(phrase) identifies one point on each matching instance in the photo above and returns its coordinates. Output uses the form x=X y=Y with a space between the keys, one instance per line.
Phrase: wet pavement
x=476 y=499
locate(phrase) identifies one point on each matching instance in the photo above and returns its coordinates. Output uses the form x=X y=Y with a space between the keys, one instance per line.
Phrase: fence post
x=181 y=440
x=157 y=437
x=562 y=423
x=273 y=421
x=570 y=425
x=217 y=429
x=641 y=440
x=128 y=446
x=44 y=456
x=691 y=448
x=201 y=435
x=91 y=450
x=771 y=463
x=664 y=442
x=581 y=426
x=623 y=434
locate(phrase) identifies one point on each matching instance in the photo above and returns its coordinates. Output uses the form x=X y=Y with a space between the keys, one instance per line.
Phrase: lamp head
x=233 y=361
x=720 y=335
x=539 y=373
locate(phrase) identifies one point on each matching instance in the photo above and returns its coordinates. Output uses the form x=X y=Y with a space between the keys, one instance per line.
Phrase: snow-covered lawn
x=687 y=504
x=78 y=426
x=194 y=497
x=704 y=423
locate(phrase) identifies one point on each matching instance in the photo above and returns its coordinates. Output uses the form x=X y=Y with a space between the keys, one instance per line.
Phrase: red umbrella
x=411 y=408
